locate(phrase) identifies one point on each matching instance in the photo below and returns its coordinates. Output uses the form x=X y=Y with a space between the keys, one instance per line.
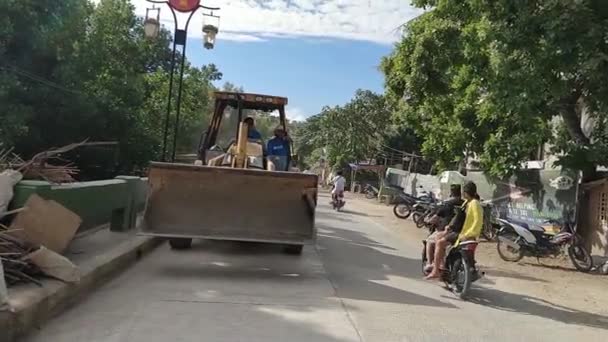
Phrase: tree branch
x=572 y=119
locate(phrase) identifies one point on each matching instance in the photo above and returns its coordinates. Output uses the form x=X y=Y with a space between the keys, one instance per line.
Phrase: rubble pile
x=13 y=254
x=47 y=165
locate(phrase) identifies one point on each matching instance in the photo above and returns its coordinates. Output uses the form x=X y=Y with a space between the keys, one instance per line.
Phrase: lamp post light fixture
x=151 y=30
x=152 y=23
x=210 y=30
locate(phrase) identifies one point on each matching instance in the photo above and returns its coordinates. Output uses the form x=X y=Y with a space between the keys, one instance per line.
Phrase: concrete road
x=360 y=283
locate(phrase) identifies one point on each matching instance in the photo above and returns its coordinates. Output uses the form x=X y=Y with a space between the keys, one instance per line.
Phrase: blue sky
x=316 y=52
x=312 y=73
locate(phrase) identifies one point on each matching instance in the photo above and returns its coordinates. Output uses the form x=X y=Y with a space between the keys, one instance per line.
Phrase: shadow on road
x=356 y=213
x=492 y=272
x=357 y=264
x=537 y=307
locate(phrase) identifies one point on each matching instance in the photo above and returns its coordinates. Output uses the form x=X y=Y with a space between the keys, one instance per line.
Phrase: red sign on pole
x=184 y=5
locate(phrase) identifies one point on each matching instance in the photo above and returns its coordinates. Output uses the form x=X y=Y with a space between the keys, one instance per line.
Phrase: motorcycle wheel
x=507 y=253
x=402 y=210
x=581 y=258
x=461 y=277
x=419 y=219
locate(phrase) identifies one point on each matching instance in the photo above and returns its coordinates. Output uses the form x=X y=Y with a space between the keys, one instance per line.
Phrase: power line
x=39 y=79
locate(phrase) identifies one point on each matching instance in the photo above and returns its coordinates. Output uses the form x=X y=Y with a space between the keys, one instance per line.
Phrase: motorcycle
x=490 y=224
x=460 y=267
x=519 y=239
x=370 y=191
x=423 y=211
x=405 y=205
x=338 y=201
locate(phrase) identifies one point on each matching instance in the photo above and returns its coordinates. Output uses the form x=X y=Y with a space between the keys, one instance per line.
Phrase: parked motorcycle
x=490 y=223
x=460 y=267
x=404 y=205
x=338 y=201
x=423 y=211
x=370 y=191
x=519 y=239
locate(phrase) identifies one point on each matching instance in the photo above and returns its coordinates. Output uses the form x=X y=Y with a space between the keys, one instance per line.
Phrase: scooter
x=518 y=239
x=370 y=191
x=338 y=201
x=460 y=267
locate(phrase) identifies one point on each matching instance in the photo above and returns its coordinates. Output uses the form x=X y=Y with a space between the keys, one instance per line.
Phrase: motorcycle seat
x=528 y=226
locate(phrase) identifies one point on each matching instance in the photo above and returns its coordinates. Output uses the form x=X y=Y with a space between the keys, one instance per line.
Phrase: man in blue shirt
x=279 y=150
x=252 y=132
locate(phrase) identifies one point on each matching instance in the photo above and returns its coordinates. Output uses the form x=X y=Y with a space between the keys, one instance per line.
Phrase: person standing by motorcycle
x=443 y=218
x=470 y=229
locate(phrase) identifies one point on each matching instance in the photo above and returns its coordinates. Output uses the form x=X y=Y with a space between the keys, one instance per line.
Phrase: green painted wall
x=114 y=201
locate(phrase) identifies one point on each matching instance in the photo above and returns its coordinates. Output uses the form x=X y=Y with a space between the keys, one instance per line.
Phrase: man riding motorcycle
x=338 y=186
x=470 y=229
x=443 y=219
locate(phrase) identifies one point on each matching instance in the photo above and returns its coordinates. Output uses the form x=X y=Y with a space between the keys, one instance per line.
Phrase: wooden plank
x=46 y=223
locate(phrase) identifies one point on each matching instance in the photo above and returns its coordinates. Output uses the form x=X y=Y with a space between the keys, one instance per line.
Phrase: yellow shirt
x=473 y=222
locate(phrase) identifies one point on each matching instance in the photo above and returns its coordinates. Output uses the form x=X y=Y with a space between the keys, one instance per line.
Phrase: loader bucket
x=230 y=204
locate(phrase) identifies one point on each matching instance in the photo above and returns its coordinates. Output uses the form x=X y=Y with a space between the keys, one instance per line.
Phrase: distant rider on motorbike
x=444 y=217
x=339 y=182
x=470 y=229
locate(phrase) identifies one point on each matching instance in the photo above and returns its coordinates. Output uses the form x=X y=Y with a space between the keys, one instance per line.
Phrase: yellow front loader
x=232 y=192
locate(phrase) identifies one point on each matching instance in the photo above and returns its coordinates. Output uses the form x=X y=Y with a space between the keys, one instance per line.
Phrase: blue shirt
x=253 y=133
x=278 y=147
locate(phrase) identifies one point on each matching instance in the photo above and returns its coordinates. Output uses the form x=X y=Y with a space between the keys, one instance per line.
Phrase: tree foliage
x=488 y=77
x=356 y=131
x=71 y=70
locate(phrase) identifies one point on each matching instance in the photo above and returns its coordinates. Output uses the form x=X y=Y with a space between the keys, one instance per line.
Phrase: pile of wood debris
x=13 y=254
x=29 y=250
x=47 y=165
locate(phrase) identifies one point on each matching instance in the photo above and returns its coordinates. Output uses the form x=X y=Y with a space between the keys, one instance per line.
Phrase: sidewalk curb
x=37 y=305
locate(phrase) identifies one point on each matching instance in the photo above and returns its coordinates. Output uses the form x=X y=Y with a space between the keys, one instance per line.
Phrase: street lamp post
x=151 y=29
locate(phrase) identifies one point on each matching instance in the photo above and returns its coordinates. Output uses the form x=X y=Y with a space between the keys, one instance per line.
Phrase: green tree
x=487 y=77
x=36 y=39
x=71 y=70
x=355 y=131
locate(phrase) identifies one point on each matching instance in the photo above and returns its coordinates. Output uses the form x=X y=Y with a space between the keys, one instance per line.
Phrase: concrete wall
x=114 y=201
x=593 y=216
x=413 y=183
x=531 y=195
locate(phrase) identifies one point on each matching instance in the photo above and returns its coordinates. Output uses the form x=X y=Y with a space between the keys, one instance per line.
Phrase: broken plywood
x=46 y=223
x=54 y=265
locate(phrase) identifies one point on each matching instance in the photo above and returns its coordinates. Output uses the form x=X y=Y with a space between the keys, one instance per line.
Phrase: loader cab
x=226 y=125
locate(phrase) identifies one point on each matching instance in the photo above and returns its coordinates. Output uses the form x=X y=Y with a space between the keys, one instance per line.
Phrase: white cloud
x=244 y=20
x=295 y=114
x=241 y=37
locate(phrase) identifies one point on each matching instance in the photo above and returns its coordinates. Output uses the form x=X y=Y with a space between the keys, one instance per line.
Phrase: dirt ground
x=555 y=281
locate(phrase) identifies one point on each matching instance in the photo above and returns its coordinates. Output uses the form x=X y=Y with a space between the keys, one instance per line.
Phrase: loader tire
x=293 y=249
x=179 y=244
